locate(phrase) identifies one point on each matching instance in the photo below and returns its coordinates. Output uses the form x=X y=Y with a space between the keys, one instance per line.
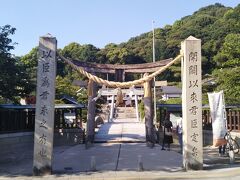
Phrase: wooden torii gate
x=192 y=99
x=119 y=71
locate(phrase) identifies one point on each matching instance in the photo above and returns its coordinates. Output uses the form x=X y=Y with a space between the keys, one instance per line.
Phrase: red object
x=31 y=100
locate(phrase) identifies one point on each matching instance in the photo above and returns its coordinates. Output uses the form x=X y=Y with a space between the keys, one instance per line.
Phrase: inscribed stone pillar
x=148 y=109
x=192 y=104
x=44 y=118
x=91 y=111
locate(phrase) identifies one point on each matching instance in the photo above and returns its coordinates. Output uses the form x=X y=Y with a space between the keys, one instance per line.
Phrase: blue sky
x=96 y=22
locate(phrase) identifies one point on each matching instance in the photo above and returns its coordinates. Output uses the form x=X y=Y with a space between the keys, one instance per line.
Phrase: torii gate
x=191 y=101
x=119 y=71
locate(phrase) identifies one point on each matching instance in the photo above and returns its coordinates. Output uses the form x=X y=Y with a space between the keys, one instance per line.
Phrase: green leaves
x=86 y=53
x=229 y=55
x=217 y=26
x=14 y=79
x=64 y=86
x=228 y=80
x=228 y=61
x=5 y=42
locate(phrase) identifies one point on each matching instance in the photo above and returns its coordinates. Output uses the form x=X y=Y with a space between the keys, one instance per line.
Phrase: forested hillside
x=216 y=25
x=211 y=24
x=219 y=29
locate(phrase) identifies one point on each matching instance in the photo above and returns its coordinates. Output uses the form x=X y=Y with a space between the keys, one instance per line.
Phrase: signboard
x=69 y=117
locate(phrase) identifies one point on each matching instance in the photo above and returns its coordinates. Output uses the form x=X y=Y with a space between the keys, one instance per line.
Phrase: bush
x=174 y=101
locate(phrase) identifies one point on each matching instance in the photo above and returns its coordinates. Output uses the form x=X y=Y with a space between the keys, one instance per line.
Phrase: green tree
x=228 y=80
x=228 y=61
x=13 y=78
x=85 y=53
x=30 y=61
x=229 y=56
x=64 y=86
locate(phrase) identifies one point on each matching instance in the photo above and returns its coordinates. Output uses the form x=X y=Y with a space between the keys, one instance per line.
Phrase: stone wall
x=13 y=141
x=207 y=137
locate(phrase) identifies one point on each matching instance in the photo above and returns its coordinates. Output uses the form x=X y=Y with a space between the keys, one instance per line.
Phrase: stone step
x=121 y=110
x=125 y=112
x=128 y=115
x=125 y=108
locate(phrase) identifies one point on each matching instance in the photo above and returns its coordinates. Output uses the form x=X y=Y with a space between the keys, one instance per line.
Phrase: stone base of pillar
x=46 y=170
x=193 y=166
x=90 y=139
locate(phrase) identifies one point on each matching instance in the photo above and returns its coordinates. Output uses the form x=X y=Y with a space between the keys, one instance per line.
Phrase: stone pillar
x=44 y=118
x=91 y=112
x=148 y=109
x=192 y=104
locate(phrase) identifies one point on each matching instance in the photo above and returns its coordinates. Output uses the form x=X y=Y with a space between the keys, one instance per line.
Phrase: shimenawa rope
x=119 y=84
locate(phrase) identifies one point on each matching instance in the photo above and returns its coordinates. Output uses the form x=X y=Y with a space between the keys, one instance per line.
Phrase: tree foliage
x=64 y=86
x=214 y=25
x=30 y=62
x=227 y=74
x=229 y=55
x=85 y=53
x=217 y=26
x=14 y=79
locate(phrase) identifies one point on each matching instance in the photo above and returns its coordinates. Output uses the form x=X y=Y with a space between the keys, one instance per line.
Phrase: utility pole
x=154 y=88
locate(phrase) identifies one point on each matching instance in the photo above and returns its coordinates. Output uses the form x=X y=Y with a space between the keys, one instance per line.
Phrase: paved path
x=121 y=130
x=109 y=157
x=116 y=157
x=117 y=160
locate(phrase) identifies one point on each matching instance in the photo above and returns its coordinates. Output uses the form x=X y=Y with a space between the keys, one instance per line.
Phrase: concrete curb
x=148 y=175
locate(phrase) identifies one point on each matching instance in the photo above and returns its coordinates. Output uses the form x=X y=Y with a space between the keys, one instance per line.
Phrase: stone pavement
x=121 y=130
x=116 y=157
x=117 y=160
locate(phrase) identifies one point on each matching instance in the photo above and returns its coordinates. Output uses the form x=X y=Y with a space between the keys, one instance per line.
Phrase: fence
x=233 y=119
x=22 y=118
x=233 y=115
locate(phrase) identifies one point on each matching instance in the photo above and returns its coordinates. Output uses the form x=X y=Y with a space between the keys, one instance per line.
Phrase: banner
x=218 y=115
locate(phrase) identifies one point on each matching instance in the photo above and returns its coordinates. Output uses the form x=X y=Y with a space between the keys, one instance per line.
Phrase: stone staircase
x=125 y=112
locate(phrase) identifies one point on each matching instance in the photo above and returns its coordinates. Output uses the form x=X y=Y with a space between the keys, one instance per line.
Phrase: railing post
x=112 y=108
x=230 y=119
x=136 y=106
x=238 y=120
